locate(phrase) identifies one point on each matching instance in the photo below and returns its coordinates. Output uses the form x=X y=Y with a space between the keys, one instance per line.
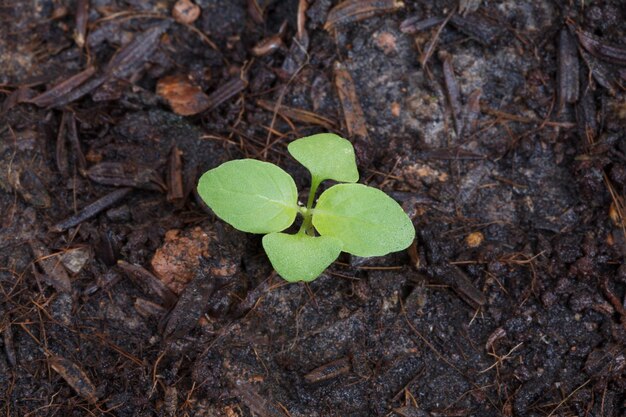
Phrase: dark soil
x=499 y=126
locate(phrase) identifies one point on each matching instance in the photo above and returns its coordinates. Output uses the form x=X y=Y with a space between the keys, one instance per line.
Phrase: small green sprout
x=259 y=197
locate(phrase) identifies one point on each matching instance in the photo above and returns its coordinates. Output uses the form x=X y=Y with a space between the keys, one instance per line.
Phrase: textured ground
x=498 y=126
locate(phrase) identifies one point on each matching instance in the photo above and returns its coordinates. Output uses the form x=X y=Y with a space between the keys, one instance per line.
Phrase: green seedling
x=259 y=197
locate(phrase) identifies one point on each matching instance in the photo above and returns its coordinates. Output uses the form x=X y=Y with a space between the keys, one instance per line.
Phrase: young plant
x=259 y=197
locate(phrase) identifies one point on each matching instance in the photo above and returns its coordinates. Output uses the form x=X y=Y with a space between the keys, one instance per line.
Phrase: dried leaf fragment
x=184 y=97
x=352 y=111
x=75 y=377
x=351 y=11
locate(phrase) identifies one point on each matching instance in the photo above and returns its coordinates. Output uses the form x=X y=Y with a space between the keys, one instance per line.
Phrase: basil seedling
x=259 y=197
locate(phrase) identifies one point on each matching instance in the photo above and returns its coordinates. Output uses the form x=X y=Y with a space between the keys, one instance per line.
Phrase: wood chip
x=255 y=11
x=352 y=111
x=184 y=97
x=601 y=73
x=259 y=404
x=478 y=27
x=328 y=371
x=57 y=94
x=91 y=210
x=453 y=94
x=190 y=307
x=126 y=174
x=72 y=136
x=226 y=91
x=615 y=54
x=351 y=11
x=472 y=111
x=9 y=345
x=82 y=17
x=133 y=55
x=144 y=279
x=129 y=59
x=268 y=45
x=453 y=276
x=416 y=24
x=567 y=70
x=175 y=188
x=54 y=272
x=147 y=308
x=300 y=115
x=75 y=377
x=61 y=148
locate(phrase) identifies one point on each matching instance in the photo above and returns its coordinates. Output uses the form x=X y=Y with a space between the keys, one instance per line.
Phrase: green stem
x=307 y=224
x=315 y=182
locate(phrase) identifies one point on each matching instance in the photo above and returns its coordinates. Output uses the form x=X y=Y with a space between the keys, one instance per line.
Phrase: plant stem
x=315 y=182
x=307 y=224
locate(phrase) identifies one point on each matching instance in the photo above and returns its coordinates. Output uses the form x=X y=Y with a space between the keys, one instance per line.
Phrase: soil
x=499 y=126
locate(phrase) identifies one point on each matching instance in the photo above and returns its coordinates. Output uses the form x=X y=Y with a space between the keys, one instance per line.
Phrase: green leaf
x=326 y=156
x=365 y=219
x=253 y=196
x=300 y=257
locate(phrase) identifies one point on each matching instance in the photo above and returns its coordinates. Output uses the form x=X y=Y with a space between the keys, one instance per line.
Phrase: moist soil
x=499 y=126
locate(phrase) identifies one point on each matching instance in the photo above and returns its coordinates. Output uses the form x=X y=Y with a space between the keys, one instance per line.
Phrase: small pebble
x=185 y=11
x=474 y=239
x=75 y=259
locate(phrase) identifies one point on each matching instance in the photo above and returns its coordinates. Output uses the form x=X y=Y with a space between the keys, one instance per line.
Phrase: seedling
x=259 y=197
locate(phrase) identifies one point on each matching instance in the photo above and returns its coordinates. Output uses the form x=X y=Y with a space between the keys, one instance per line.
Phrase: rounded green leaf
x=365 y=219
x=327 y=156
x=300 y=257
x=253 y=196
